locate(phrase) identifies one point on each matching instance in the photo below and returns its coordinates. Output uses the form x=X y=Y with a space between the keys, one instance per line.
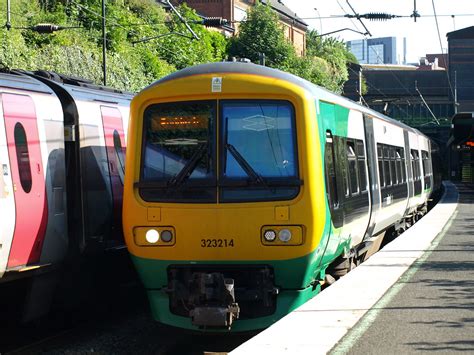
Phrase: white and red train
x=62 y=146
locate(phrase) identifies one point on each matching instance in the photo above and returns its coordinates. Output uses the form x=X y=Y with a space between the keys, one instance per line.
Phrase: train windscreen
x=257 y=152
x=179 y=152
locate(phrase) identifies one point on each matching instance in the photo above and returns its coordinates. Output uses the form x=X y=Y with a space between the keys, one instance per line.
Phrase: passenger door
x=28 y=179
x=115 y=147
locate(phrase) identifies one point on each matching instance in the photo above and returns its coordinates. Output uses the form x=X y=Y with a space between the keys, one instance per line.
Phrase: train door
x=334 y=179
x=7 y=201
x=29 y=188
x=115 y=147
x=373 y=176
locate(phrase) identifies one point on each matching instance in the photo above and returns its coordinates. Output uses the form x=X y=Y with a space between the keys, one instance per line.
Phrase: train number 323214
x=217 y=243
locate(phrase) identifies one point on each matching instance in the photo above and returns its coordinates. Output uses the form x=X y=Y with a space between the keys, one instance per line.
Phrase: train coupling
x=214 y=299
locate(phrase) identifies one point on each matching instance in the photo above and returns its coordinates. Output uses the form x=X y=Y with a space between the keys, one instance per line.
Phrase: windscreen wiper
x=245 y=165
x=189 y=167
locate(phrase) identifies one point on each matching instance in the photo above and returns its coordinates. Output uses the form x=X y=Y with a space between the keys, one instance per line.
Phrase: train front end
x=224 y=201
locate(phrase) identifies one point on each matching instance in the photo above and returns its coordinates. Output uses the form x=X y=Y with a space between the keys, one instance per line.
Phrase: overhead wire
x=381 y=60
x=380 y=91
x=441 y=47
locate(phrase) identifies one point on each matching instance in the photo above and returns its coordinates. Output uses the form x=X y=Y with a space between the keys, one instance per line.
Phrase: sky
x=422 y=36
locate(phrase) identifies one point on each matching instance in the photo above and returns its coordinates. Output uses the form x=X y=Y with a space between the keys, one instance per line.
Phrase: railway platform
x=416 y=294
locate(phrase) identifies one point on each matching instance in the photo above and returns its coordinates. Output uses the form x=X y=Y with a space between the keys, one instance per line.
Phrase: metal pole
x=455 y=91
x=104 y=44
x=360 y=85
x=8 y=25
x=262 y=58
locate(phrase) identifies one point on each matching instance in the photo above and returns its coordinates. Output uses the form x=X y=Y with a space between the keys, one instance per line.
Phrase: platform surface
x=398 y=301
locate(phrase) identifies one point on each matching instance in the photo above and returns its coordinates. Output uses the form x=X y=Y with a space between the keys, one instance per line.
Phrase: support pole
x=455 y=91
x=8 y=24
x=104 y=44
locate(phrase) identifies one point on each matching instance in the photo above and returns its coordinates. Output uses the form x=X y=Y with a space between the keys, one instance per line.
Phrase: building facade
x=235 y=11
x=461 y=65
x=378 y=50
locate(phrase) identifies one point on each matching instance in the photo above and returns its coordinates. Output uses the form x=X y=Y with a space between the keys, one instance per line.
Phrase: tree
x=262 y=33
x=335 y=53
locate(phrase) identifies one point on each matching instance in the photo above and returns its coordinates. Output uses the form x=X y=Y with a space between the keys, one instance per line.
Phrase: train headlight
x=284 y=235
x=152 y=236
x=269 y=235
x=166 y=236
x=278 y=236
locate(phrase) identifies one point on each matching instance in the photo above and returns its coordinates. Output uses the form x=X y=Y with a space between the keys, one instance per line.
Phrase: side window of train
x=119 y=150
x=401 y=173
x=360 y=152
x=415 y=164
x=380 y=161
x=352 y=162
x=23 y=157
x=393 y=161
x=386 y=166
x=330 y=167
x=426 y=168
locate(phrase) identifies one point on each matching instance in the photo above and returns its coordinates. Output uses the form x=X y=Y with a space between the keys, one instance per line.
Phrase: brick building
x=236 y=10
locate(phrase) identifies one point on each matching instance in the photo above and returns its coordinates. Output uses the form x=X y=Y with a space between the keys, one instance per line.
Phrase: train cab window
x=352 y=161
x=23 y=157
x=179 y=149
x=360 y=152
x=330 y=167
x=258 y=154
x=386 y=165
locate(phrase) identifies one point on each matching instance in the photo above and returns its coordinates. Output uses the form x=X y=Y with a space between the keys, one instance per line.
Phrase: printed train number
x=217 y=243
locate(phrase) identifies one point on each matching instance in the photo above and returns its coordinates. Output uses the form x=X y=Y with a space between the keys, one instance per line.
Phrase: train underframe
x=214 y=296
x=344 y=263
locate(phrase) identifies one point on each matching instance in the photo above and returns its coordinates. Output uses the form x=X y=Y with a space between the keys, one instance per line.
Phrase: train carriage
x=246 y=185
x=62 y=146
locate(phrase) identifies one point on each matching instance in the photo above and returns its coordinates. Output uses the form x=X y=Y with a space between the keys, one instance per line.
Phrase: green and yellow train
x=246 y=186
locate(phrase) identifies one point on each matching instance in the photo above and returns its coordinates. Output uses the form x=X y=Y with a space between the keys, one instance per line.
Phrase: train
x=62 y=155
x=247 y=188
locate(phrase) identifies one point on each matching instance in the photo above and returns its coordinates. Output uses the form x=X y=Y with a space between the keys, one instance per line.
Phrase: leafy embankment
x=144 y=43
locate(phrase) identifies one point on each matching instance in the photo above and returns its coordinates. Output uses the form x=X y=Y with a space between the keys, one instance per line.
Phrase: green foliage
x=335 y=53
x=145 y=43
x=262 y=33
x=78 y=51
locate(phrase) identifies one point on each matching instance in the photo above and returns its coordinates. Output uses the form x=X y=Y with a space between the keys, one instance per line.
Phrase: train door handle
x=38 y=168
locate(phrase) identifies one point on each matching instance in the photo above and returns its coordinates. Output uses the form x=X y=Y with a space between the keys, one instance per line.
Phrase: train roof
x=254 y=69
x=42 y=81
x=14 y=80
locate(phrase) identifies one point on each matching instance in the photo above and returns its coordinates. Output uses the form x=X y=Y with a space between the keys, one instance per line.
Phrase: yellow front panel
x=242 y=223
